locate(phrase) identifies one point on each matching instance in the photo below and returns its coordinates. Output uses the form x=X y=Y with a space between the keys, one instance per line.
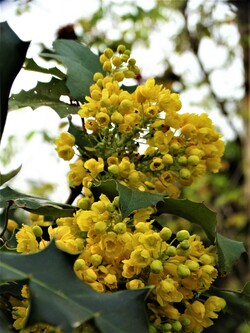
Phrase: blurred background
x=197 y=48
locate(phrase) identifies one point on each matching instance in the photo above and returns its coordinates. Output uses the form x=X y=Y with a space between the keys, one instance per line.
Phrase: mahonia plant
x=141 y=140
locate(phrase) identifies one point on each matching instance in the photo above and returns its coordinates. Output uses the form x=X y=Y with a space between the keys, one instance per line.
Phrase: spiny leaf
x=8 y=176
x=131 y=199
x=229 y=251
x=194 y=212
x=13 y=51
x=58 y=297
x=31 y=65
x=44 y=94
x=81 y=64
x=34 y=204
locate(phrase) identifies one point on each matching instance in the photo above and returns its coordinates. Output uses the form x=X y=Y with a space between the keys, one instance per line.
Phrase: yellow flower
x=135 y=284
x=140 y=257
x=166 y=292
x=26 y=240
x=66 y=152
x=76 y=174
x=94 y=166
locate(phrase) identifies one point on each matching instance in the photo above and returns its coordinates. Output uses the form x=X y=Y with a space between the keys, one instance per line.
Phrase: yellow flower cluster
x=117 y=253
x=140 y=138
x=64 y=146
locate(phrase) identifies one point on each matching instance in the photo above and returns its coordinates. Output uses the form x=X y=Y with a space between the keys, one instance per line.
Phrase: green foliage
x=34 y=204
x=13 y=51
x=81 y=64
x=47 y=94
x=131 y=199
x=229 y=251
x=59 y=298
x=6 y=177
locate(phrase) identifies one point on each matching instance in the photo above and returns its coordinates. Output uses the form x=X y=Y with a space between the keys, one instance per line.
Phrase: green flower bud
x=192 y=265
x=182 y=235
x=176 y=326
x=171 y=251
x=165 y=233
x=166 y=327
x=84 y=203
x=116 y=202
x=100 y=226
x=79 y=264
x=113 y=169
x=184 y=245
x=108 y=53
x=156 y=266
x=121 y=48
x=120 y=228
x=96 y=260
x=37 y=230
x=193 y=160
x=182 y=160
x=185 y=173
x=205 y=259
x=185 y=321
x=183 y=271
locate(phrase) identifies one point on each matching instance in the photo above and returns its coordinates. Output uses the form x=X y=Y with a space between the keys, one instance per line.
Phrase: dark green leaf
x=229 y=251
x=109 y=188
x=34 y=204
x=45 y=94
x=31 y=65
x=131 y=199
x=82 y=139
x=246 y=290
x=13 y=51
x=6 y=177
x=238 y=304
x=194 y=212
x=81 y=64
x=58 y=297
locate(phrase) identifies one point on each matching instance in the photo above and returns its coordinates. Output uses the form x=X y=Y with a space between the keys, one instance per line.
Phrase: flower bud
x=185 y=321
x=167 y=327
x=156 y=266
x=184 y=245
x=176 y=326
x=121 y=48
x=165 y=233
x=185 y=173
x=192 y=265
x=120 y=228
x=182 y=160
x=113 y=169
x=205 y=259
x=37 y=230
x=84 y=203
x=193 y=160
x=107 y=66
x=171 y=251
x=96 y=260
x=182 y=235
x=79 y=264
x=100 y=226
x=183 y=271
x=108 y=53
x=97 y=76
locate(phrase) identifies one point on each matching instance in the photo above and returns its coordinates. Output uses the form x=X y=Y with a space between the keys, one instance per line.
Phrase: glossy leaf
x=13 y=52
x=229 y=251
x=194 y=212
x=45 y=94
x=81 y=64
x=8 y=176
x=131 y=199
x=34 y=204
x=58 y=297
x=31 y=65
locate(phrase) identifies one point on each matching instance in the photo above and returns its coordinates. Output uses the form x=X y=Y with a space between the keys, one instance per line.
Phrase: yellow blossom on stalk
x=64 y=146
x=26 y=240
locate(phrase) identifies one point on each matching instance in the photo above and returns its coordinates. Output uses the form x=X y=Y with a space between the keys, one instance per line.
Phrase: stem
x=10 y=203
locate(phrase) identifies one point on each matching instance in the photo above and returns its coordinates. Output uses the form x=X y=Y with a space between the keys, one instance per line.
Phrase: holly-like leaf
x=34 y=204
x=194 y=212
x=58 y=297
x=81 y=64
x=6 y=177
x=45 y=94
x=108 y=187
x=229 y=251
x=13 y=52
x=31 y=65
x=131 y=199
